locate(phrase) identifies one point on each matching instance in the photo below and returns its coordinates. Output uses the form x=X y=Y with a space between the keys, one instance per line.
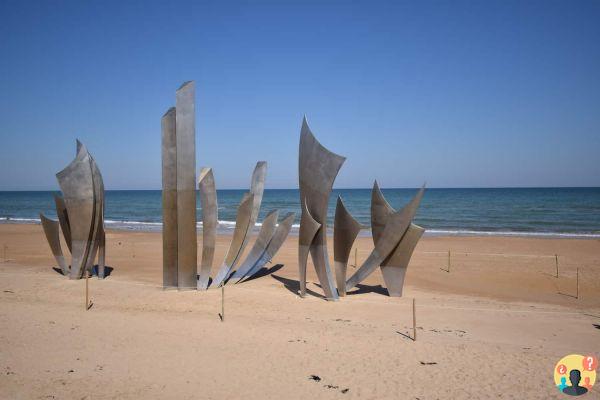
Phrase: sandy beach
x=493 y=326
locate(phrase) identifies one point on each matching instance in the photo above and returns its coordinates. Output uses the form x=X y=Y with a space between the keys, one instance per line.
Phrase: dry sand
x=494 y=326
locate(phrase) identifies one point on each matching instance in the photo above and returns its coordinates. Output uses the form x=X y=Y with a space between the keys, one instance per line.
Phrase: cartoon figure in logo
x=563 y=383
x=575 y=389
x=575 y=375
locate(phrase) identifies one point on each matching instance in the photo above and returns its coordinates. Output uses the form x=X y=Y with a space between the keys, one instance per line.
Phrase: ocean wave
x=461 y=232
x=226 y=227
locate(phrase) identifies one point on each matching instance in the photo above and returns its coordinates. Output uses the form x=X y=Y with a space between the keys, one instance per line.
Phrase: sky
x=457 y=94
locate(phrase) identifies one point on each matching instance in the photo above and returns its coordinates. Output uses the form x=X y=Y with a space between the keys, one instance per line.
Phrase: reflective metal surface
x=260 y=246
x=208 y=200
x=394 y=268
x=318 y=168
x=76 y=183
x=51 y=230
x=345 y=230
x=63 y=219
x=169 y=199
x=240 y=231
x=281 y=233
x=185 y=137
x=395 y=228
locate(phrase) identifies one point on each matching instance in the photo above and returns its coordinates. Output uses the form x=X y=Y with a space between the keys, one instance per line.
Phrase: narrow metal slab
x=281 y=233
x=257 y=187
x=318 y=168
x=51 y=230
x=169 y=198
x=185 y=127
x=98 y=215
x=309 y=228
x=260 y=246
x=63 y=219
x=345 y=230
x=395 y=228
x=240 y=231
x=395 y=266
x=208 y=200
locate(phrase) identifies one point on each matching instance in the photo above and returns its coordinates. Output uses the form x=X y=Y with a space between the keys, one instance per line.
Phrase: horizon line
x=342 y=188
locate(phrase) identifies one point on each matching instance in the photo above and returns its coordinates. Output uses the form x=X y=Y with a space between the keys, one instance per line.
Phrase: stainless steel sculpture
x=394 y=230
x=318 y=168
x=257 y=187
x=260 y=245
x=51 y=230
x=242 y=225
x=179 y=191
x=309 y=228
x=245 y=220
x=185 y=128
x=61 y=213
x=77 y=184
x=345 y=230
x=208 y=200
x=281 y=233
x=169 y=199
x=393 y=268
x=81 y=216
x=269 y=239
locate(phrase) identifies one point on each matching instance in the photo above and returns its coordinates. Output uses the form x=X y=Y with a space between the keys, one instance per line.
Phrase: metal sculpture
x=185 y=128
x=208 y=200
x=309 y=228
x=80 y=216
x=260 y=245
x=393 y=268
x=76 y=183
x=179 y=191
x=281 y=233
x=61 y=213
x=169 y=199
x=245 y=220
x=51 y=230
x=394 y=230
x=242 y=226
x=345 y=230
x=268 y=242
x=318 y=168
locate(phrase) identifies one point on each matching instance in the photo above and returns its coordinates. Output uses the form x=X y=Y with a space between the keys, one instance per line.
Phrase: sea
x=540 y=212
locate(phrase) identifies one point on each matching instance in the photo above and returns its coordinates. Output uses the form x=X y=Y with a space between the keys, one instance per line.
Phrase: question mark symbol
x=590 y=363
x=562 y=369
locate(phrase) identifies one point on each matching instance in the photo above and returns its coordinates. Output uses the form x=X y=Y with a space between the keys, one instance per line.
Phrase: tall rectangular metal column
x=169 y=199
x=185 y=122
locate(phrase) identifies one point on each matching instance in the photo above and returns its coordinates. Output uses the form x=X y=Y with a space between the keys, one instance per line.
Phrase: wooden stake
x=556 y=261
x=87 y=295
x=414 y=321
x=448 y=261
x=577 y=296
x=223 y=303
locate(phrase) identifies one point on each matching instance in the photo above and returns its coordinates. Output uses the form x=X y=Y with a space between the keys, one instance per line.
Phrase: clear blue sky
x=459 y=94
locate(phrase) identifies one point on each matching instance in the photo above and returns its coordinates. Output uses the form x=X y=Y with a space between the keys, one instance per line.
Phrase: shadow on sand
x=294 y=286
x=362 y=289
x=264 y=272
x=107 y=271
